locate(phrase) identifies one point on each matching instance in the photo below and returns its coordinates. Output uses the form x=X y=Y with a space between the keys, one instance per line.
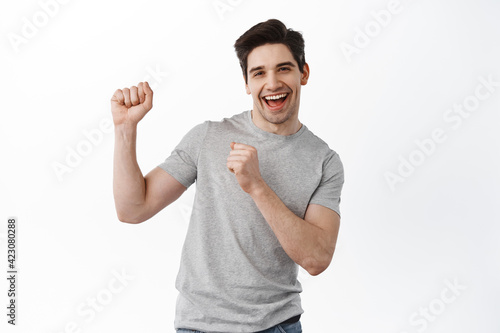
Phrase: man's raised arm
x=137 y=198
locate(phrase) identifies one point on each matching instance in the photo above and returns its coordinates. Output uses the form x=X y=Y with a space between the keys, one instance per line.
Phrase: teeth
x=275 y=97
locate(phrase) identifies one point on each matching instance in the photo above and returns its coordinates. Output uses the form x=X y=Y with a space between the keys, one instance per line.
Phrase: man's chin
x=276 y=117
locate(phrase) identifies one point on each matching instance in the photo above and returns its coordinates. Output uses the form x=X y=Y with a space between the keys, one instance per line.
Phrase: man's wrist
x=127 y=127
x=259 y=189
x=126 y=134
x=126 y=130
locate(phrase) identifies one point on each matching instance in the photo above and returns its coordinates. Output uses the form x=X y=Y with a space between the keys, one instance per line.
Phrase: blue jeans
x=283 y=328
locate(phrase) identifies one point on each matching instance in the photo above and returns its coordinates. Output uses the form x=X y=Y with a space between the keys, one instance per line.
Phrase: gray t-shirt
x=234 y=275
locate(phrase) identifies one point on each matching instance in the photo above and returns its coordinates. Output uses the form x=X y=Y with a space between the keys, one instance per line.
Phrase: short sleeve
x=328 y=191
x=182 y=164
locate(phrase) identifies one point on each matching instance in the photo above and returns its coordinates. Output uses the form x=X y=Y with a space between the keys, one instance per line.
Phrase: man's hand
x=129 y=106
x=244 y=163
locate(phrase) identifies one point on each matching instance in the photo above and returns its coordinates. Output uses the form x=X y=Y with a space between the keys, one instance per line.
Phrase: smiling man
x=267 y=194
x=275 y=88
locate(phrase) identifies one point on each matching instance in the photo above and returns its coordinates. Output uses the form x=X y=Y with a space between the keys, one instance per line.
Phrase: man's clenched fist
x=244 y=163
x=129 y=106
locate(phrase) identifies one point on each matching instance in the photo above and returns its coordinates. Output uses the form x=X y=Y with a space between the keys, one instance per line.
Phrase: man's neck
x=291 y=126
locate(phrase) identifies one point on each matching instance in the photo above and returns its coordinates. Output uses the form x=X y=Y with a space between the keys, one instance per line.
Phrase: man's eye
x=282 y=69
x=257 y=74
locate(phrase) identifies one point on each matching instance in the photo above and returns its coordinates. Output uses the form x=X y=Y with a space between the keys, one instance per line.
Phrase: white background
x=400 y=248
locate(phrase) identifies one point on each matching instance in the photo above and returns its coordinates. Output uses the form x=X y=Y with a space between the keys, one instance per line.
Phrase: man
x=267 y=194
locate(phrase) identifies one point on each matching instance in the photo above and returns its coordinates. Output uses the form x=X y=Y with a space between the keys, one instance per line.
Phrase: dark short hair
x=270 y=32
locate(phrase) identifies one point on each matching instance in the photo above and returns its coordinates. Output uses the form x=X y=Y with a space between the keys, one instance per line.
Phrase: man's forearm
x=129 y=187
x=304 y=242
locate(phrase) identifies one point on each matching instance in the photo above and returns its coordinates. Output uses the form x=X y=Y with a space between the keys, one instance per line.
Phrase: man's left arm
x=310 y=242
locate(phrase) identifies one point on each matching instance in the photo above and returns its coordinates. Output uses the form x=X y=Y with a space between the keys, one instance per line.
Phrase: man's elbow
x=125 y=218
x=316 y=269
x=317 y=266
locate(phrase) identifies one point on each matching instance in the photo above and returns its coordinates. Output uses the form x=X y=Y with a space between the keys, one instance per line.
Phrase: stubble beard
x=279 y=118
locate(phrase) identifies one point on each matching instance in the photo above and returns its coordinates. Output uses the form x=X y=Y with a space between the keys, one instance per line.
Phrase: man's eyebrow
x=256 y=69
x=286 y=63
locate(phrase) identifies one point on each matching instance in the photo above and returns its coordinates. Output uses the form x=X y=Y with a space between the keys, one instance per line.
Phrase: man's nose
x=272 y=82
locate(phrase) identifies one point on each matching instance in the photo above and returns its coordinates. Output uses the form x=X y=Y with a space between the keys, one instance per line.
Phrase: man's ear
x=305 y=74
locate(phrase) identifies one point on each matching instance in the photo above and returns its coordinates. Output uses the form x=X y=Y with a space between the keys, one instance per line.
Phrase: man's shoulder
x=210 y=123
x=236 y=121
x=318 y=143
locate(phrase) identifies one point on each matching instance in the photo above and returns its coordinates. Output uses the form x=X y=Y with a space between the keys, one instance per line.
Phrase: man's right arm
x=137 y=198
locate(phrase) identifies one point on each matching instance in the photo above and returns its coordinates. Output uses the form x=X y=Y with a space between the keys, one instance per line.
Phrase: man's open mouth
x=275 y=102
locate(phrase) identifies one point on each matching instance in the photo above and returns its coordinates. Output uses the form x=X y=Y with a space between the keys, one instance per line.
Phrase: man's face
x=274 y=81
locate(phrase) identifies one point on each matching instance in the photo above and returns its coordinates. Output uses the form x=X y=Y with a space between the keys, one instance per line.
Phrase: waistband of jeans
x=291 y=320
